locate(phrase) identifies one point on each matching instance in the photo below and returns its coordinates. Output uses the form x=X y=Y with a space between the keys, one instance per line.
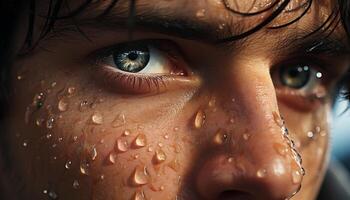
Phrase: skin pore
x=203 y=120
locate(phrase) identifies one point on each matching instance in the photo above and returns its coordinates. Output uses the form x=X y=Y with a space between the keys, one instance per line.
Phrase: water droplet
x=220 y=137
x=281 y=149
x=139 y=195
x=19 y=77
x=199 y=119
x=119 y=121
x=139 y=176
x=200 y=13
x=160 y=144
x=71 y=90
x=310 y=134
x=122 y=145
x=53 y=84
x=230 y=160
x=38 y=100
x=25 y=143
x=97 y=118
x=261 y=173
x=52 y=195
x=93 y=154
x=232 y=120
x=278 y=119
x=84 y=168
x=159 y=156
x=112 y=158
x=140 y=140
x=39 y=121
x=62 y=105
x=49 y=135
x=246 y=136
x=149 y=149
x=50 y=122
x=45 y=191
x=323 y=133
x=176 y=129
x=102 y=177
x=318 y=129
x=76 y=184
x=166 y=136
x=68 y=164
x=296 y=177
x=126 y=133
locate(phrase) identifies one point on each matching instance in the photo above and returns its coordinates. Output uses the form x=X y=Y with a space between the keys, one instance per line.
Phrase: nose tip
x=223 y=178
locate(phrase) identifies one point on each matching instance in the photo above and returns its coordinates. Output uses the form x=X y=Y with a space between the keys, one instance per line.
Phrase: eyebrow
x=209 y=32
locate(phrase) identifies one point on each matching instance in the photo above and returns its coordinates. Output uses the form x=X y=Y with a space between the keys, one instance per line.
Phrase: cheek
x=310 y=133
x=76 y=141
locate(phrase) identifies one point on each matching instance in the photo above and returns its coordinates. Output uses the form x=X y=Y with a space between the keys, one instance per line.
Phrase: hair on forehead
x=340 y=13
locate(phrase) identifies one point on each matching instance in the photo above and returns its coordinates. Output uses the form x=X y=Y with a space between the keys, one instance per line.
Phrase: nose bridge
x=261 y=158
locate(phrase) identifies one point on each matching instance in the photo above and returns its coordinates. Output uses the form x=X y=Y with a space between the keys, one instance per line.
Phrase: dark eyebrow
x=209 y=32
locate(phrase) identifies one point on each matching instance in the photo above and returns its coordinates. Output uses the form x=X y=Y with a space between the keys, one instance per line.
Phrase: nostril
x=234 y=195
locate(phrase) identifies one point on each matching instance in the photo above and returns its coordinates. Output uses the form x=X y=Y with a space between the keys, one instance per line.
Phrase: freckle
x=97 y=118
x=71 y=90
x=199 y=119
x=122 y=145
x=68 y=164
x=139 y=176
x=62 y=105
x=139 y=195
x=159 y=156
x=76 y=184
x=140 y=141
x=261 y=173
x=112 y=158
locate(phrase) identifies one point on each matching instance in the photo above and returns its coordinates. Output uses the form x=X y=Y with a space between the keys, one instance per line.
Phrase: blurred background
x=340 y=133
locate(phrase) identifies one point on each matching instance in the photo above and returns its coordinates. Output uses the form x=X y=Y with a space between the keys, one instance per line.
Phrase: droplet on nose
x=62 y=105
x=76 y=184
x=112 y=158
x=199 y=119
x=139 y=195
x=220 y=137
x=159 y=156
x=278 y=119
x=296 y=177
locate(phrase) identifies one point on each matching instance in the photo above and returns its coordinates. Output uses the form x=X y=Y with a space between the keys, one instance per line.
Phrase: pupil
x=295 y=77
x=132 y=56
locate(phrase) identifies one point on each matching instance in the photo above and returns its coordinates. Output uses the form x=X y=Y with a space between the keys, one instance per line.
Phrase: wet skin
x=211 y=129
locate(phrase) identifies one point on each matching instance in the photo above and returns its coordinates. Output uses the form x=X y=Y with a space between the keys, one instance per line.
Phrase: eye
x=142 y=67
x=300 y=77
x=300 y=85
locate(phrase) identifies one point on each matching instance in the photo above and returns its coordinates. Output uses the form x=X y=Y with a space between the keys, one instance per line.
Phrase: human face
x=163 y=112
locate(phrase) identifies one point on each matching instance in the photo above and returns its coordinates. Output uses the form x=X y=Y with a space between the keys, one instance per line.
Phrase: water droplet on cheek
x=112 y=158
x=281 y=149
x=62 y=105
x=199 y=119
x=140 y=141
x=68 y=164
x=139 y=195
x=246 y=136
x=122 y=145
x=220 y=137
x=159 y=156
x=97 y=118
x=84 y=168
x=296 y=177
x=93 y=153
x=120 y=120
x=261 y=173
x=71 y=90
x=139 y=176
x=200 y=13
x=83 y=106
x=50 y=122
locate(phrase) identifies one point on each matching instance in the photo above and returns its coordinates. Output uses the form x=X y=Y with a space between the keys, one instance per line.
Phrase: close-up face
x=174 y=99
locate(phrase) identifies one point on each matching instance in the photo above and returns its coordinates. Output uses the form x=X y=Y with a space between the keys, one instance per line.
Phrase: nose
x=253 y=158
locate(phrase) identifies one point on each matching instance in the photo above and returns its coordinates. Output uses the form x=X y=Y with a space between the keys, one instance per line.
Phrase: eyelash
x=135 y=83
